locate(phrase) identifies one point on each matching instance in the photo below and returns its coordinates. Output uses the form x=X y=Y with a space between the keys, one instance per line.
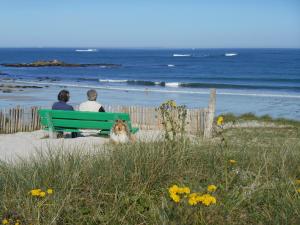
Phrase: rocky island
x=1 y=73
x=9 y=88
x=57 y=63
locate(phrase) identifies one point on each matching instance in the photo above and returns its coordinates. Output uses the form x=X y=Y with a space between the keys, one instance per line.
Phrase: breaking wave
x=231 y=54
x=112 y=81
x=162 y=90
x=202 y=85
x=86 y=50
x=182 y=55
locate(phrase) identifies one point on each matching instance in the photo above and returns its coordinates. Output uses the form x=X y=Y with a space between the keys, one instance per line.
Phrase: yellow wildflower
x=211 y=188
x=200 y=198
x=175 y=198
x=172 y=103
x=193 y=199
x=35 y=192
x=208 y=199
x=174 y=189
x=220 y=121
x=298 y=190
x=42 y=194
x=5 y=221
x=17 y=223
x=50 y=191
x=297 y=181
x=184 y=190
x=232 y=161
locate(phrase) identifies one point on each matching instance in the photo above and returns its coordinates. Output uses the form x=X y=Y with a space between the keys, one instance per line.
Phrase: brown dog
x=120 y=133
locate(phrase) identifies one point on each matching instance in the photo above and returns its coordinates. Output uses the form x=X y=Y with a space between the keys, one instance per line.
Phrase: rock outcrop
x=57 y=63
x=9 y=88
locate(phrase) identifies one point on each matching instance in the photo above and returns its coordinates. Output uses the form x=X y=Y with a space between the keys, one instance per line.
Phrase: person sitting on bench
x=91 y=105
x=63 y=97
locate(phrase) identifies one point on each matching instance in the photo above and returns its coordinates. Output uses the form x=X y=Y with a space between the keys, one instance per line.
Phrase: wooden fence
x=27 y=119
x=199 y=121
x=19 y=120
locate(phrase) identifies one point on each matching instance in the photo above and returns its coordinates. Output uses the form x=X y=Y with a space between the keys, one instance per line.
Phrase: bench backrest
x=82 y=120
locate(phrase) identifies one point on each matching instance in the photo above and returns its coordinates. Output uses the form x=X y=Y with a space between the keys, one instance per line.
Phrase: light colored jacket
x=90 y=106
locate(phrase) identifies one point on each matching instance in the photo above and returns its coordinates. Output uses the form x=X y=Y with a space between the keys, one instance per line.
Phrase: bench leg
x=52 y=134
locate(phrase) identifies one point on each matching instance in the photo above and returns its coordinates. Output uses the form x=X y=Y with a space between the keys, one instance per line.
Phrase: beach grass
x=230 y=117
x=128 y=184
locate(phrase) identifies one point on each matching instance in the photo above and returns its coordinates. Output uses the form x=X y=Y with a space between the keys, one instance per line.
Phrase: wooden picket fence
x=21 y=119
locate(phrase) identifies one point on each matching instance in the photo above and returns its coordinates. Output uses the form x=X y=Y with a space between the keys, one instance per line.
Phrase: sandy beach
x=25 y=144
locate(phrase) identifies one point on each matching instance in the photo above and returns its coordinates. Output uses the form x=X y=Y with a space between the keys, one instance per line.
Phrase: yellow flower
x=175 y=198
x=298 y=190
x=193 y=199
x=232 y=161
x=200 y=198
x=42 y=194
x=220 y=121
x=184 y=190
x=174 y=189
x=208 y=199
x=50 y=191
x=17 y=223
x=172 y=103
x=5 y=221
x=211 y=188
x=35 y=192
x=297 y=181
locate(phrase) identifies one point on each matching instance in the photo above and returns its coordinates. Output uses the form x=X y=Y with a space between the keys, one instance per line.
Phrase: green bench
x=75 y=121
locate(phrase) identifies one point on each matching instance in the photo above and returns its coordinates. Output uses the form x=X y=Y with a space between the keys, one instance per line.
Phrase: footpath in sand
x=25 y=144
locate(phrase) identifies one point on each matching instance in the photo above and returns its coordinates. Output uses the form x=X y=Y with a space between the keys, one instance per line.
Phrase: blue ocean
x=262 y=81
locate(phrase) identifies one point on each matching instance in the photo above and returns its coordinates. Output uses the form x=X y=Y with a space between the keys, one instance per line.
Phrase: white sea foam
x=86 y=50
x=231 y=54
x=181 y=55
x=172 y=84
x=158 y=90
x=171 y=65
x=112 y=81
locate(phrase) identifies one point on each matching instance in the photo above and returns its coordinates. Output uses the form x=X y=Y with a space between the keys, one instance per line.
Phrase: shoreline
x=276 y=106
x=146 y=89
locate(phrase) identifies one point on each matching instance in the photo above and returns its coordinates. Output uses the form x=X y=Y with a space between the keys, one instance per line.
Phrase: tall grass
x=128 y=184
x=230 y=117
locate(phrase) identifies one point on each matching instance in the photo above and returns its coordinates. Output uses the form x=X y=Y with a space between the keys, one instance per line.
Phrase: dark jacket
x=62 y=106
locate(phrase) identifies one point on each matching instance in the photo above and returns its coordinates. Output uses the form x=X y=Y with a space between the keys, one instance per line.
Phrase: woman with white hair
x=91 y=105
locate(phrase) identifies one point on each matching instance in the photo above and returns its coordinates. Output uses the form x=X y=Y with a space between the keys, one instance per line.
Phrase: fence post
x=210 y=115
x=52 y=133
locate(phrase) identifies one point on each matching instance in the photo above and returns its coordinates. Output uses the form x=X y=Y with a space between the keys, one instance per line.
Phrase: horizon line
x=93 y=47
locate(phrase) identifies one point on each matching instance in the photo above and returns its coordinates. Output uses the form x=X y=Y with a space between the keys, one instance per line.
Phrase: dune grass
x=128 y=184
x=230 y=117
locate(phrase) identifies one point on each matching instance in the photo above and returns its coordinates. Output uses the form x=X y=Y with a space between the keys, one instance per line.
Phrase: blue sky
x=150 y=23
